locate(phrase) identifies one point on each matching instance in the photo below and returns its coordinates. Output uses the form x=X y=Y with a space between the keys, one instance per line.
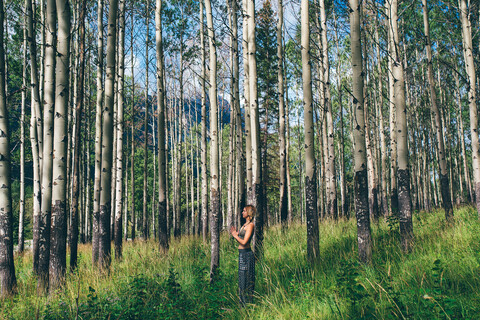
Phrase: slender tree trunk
x=162 y=167
x=114 y=148
x=98 y=137
x=240 y=156
x=461 y=135
x=204 y=210
x=88 y=183
x=442 y=163
x=383 y=145
x=119 y=127
x=8 y=281
x=246 y=93
x=154 y=191
x=403 y=173
x=310 y=174
x=283 y=203
x=76 y=140
x=49 y=100
x=36 y=135
x=257 y=183
x=341 y=145
x=287 y=149
x=232 y=136
x=145 y=146
x=361 y=182
x=107 y=142
x=192 y=178
x=392 y=116
x=214 y=160
x=470 y=69
x=21 y=211
x=132 y=143
x=331 y=174
x=199 y=180
x=58 y=247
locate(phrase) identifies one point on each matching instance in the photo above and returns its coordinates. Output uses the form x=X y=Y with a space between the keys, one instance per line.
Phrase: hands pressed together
x=233 y=231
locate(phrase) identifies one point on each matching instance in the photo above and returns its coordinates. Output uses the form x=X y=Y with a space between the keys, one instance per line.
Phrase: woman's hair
x=251 y=211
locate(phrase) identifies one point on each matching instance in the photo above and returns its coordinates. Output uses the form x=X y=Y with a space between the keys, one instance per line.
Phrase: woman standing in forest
x=246 y=258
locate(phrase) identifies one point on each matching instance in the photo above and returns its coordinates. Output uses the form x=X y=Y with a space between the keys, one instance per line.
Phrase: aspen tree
x=76 y=138
x=58 y=242
x=240 y=156
x=214 y=159
x=470 y=69
x=341 y=144
x=392 y=116
x=8 y=281
x=246 y=97
x=162 y=168
x=132 y=141
x=49 y=100
x=283 y=203
x=119 y=127
x=36 y=134
x=203 y=144
x=98 y=136
x=145 y=124
x=257 y=183
x=361 y=183
x=310 y=168
x=403 y=173
x=21 y=211
x=107 y=142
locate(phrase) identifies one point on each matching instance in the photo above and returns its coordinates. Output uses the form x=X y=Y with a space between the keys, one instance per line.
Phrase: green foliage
x=439 y=279
x=355 y=293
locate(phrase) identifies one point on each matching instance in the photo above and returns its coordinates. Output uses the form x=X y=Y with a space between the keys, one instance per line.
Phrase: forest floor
x=439 y=279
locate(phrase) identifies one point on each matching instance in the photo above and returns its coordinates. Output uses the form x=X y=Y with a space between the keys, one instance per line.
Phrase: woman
x=246 y=258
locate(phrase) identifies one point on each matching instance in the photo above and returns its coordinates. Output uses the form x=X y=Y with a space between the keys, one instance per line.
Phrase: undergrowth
x=439 y=279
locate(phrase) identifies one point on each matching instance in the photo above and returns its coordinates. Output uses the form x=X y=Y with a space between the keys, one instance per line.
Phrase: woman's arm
x=248 y=234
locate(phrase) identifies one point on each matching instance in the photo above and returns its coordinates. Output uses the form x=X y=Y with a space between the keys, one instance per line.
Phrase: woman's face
x=244 y=213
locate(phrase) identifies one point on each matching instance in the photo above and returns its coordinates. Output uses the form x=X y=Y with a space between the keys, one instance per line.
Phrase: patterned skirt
x=246 y=275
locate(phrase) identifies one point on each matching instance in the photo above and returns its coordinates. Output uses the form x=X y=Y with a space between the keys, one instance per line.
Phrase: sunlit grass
x=393 y=286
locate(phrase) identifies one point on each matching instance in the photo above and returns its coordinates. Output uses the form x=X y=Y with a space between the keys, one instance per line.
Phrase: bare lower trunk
x=119 y=127
x=392 y=119
x=214 y=160
x=76 y=140
x=145 y=146
x=49 y=100
x=361 y=183
x=132 y=141
x=8 y=281
x=162 y=171
x=58 y=248
x=470 y=68
x=204 y=209
x=283 y=203
x=36 y=136
x=21 y=211
x=98 y=137
x=107 y=143
x=310 y=175
x=403 y=174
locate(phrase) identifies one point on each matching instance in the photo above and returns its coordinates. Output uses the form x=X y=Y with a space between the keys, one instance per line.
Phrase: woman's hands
x=233 y=231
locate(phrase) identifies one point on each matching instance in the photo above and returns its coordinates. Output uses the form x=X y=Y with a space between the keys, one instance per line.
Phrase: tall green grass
x=439 y=279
